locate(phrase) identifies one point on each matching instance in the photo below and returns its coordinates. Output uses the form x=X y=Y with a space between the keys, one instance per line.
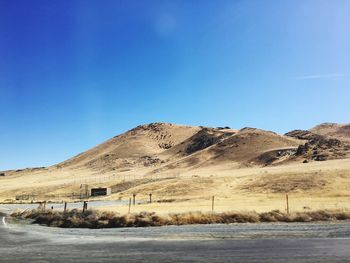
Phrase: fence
x=83 y=183
x=217 y=203
x=154 y=203
x=98 y=179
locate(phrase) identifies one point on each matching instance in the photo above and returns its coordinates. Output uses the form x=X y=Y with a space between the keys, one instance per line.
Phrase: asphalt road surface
x=321 y=242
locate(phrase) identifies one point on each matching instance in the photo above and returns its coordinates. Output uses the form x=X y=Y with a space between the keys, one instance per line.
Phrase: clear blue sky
x=75 y=73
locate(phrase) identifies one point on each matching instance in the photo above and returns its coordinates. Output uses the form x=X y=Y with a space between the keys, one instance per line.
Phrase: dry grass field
x=183 y=167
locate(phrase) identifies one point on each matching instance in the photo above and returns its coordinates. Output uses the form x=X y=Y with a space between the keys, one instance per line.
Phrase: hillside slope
x=177 y=162
x=339 y=131
x=159 y=147
x=136 y=147
x=162 y=146
x=212 y=147
x=319 y=147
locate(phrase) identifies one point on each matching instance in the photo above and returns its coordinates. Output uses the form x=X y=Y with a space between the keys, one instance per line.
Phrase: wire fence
x=99 y=179
x=287 y=203
x=84 y=184
x=152 y=201
x=215 y=203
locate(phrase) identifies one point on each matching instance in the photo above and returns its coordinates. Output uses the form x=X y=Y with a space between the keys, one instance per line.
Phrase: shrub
x=96 y=219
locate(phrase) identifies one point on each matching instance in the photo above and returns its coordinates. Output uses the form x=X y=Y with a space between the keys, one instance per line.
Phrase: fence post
x=65 y=207
x=150 y=198
x=129 y=204
x=134 y=197
x=287 y=200
x=212 y=204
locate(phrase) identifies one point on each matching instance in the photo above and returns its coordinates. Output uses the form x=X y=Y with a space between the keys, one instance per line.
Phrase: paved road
x=205 y=243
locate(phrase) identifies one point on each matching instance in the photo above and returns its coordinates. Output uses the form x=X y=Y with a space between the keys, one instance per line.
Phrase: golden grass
x=96 y=219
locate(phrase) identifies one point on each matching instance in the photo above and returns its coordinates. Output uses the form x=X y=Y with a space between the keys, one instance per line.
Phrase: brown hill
x=156 y=147
x=250 y=143
x=163 y=147
x=177 y=163
x=139 y=146
x=319 y=147
x=204 y=138
x=339 y=131
x=212 y=147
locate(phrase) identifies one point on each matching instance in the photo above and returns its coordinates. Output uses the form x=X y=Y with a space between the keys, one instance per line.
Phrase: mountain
x=183 y=162
x=137 y=147
x=339 y=131
x=159 y=147
x=319 y=147
x=165 y=146
x=237 y=149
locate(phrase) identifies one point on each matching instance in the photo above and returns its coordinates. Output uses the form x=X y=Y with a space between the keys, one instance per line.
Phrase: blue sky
x=75 y=73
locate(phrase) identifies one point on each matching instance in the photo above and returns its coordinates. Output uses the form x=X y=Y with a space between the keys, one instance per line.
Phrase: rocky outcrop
x=203 y=139
x=318 y=147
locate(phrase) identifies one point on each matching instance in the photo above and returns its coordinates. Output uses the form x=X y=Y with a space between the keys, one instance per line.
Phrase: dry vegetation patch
x=186 y=186
x=96 y=219
x=284 y=183
x=126 y=185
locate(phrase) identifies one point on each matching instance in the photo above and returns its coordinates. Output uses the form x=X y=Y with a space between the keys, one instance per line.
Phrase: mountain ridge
x=168 y=146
